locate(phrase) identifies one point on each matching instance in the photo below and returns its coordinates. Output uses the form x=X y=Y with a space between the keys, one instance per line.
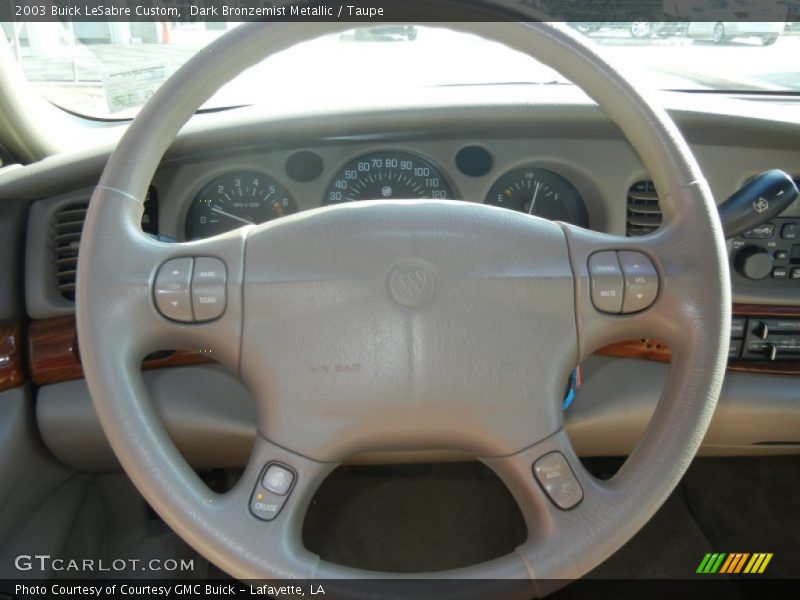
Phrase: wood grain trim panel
x=12 y=374
x=646 y=349
x=53 y=353
x=767 y=368
x=765 y=310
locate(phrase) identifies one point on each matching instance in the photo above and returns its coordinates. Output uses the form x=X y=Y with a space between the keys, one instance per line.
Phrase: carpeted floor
x=430 y=517
x=413 y=518
x=445 y=516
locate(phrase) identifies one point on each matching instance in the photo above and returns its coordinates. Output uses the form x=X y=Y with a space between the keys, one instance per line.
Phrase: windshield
x=110 y=69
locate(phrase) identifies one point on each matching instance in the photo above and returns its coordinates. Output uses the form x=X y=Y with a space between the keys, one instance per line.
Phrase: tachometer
x=539 y=192
x=387 y=175
x=234 y=200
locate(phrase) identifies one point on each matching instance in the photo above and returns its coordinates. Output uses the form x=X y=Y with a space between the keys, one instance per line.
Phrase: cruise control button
x=277 y=479
x=271 y=491
x=641 y=281
x=606 y=281
x=266 y=506
x=208 y=288
x=173 y=283
x=554 y=474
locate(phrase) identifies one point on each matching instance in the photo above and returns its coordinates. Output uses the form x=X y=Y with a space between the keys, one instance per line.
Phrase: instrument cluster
x=237 y=198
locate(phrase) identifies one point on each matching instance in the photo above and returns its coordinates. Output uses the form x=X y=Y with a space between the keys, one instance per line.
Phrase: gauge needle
x=219 y=211
x=533 y=200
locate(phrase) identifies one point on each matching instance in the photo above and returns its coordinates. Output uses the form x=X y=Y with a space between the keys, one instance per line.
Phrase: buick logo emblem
x=411 y=283
x=761 y=205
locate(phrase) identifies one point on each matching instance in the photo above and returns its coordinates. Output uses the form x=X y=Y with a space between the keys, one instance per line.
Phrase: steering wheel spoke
x=196 y=292
x=164 y=296
x=628 y=288
x=559 y=500
x=269 y=503
x=278 y=484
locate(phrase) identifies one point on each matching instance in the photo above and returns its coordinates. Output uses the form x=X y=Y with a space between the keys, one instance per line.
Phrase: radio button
x=606 y=281
x=762 y=232
x=753 y=262
x=641 y=281
x=789 y=231
x=738 y=325
x=208 y=288
x=172 y=289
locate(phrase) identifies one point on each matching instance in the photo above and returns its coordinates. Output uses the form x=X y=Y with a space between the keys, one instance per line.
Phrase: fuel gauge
x=539 y=192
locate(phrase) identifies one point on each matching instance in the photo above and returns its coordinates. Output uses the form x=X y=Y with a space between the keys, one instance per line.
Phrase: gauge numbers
x=387 y=176
x=234 y=200
x=539 y=192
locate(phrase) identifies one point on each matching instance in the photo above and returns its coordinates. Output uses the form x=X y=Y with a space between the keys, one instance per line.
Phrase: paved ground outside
x=337 y=65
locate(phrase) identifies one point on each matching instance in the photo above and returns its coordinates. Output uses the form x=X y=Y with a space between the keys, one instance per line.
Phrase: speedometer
x=386 y=176
x=235 y=200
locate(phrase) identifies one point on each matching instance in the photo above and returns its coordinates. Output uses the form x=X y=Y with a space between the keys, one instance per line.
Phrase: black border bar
x=399 y=11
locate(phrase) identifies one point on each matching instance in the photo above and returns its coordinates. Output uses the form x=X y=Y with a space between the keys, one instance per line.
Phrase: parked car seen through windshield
x=110 y=69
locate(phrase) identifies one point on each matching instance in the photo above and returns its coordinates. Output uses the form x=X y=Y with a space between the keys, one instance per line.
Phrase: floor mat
x=429 y=517
x=671 y=545
x=413 y=518
x=749 y=505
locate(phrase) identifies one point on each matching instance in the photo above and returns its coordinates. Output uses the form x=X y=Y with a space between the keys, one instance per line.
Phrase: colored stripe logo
x=734 y=563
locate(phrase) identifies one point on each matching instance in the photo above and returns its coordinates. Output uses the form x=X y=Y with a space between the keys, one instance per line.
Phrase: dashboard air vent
x=643 y=211
x=68 y=226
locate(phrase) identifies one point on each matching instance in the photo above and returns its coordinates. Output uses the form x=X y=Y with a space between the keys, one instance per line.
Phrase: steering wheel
x=404 y=325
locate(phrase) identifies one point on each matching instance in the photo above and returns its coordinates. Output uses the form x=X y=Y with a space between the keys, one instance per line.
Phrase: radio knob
x=754 y=262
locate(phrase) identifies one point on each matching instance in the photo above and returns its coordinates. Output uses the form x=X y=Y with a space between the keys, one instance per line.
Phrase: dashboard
x=557 y=156
x=553 y=157
x=249 y=195
x=553 y=179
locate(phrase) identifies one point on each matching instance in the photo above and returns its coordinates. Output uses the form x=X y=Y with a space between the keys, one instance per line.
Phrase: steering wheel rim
x=118 y=323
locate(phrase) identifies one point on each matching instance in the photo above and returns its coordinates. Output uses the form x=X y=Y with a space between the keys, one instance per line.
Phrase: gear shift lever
x=757 y=201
